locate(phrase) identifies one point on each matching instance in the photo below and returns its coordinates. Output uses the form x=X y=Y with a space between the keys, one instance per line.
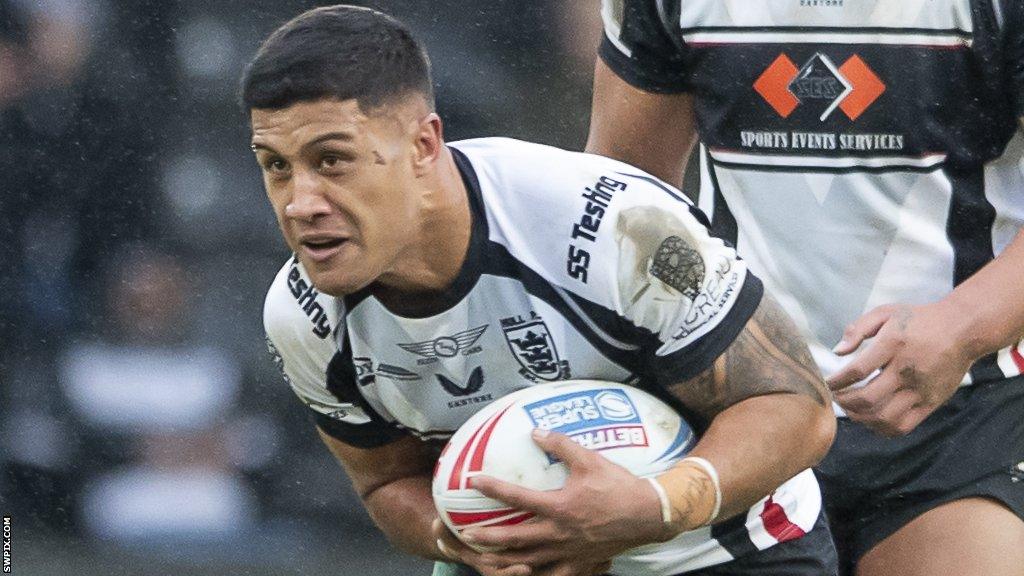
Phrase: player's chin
x=338 y=277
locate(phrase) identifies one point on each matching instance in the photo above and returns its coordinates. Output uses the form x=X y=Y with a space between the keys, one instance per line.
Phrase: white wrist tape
x=709 y=469
x=666 y=506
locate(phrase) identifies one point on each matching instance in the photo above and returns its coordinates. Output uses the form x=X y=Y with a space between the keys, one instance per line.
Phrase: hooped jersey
x=578 y=267
x=857 y=153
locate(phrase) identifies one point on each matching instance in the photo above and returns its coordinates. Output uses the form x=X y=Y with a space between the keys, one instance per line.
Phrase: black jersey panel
x=657 y=60
x=723 y=223
x=343 y=383
x=1013 y=35
x=850 y=100
x=647 y=77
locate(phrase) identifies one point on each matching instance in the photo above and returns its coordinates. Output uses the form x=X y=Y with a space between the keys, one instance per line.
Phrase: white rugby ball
x=626 y=425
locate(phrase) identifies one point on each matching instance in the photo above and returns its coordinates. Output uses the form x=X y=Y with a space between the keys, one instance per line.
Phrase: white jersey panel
x=876 y=238
x=299 y=323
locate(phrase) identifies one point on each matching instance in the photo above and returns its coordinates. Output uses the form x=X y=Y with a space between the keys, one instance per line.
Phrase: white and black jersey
x=578 y=267
x=856 y=153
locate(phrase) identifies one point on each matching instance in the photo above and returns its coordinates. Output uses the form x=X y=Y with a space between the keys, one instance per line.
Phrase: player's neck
x=433 y=262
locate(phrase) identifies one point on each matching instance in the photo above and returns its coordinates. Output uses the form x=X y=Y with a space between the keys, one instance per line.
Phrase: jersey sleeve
x=656 y=265
x=640 y=48
x=301 y=325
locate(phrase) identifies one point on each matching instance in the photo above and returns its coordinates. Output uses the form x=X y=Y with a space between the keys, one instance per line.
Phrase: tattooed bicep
x=768 y=357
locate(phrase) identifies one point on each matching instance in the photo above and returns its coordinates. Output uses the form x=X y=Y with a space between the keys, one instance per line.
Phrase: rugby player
x=865 y=158
x=430 y=278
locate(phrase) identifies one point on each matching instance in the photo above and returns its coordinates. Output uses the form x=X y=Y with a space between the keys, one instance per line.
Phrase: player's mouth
x=320 y=248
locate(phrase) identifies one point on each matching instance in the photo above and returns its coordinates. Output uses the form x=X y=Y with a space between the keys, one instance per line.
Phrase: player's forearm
x=755 y=446
x=404 y=510
x=769 y=418
x=988 y=308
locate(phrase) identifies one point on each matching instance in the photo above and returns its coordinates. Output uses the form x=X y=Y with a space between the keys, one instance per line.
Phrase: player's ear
x=429 y=141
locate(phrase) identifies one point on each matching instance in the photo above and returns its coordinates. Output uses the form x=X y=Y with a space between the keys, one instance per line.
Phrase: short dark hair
x=337 y=52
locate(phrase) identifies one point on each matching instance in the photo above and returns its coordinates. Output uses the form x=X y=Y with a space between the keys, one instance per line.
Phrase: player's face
x=341 y=183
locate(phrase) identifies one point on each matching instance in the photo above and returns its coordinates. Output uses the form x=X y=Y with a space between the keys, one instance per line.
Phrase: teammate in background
x=430 y=279
x=865 y=158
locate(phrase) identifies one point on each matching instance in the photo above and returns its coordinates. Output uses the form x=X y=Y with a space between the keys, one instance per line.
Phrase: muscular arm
x=393 y=482
x=654 y=132
x=770 y=418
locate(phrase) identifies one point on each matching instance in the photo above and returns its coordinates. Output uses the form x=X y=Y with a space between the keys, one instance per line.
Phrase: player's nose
x=307 y=199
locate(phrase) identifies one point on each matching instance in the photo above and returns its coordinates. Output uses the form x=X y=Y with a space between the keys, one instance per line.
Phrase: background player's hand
x=920 y=364
x=602 y=510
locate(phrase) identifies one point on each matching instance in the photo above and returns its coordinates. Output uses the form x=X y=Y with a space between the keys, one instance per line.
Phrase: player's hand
x=602 y=510
x=919 y=359
x=456 y=551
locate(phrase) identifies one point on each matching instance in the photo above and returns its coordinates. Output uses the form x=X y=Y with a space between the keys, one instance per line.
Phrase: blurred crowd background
x=143 y=429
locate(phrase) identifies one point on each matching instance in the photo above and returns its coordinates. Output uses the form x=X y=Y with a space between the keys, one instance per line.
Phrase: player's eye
x=333 y=164
x=275 y=165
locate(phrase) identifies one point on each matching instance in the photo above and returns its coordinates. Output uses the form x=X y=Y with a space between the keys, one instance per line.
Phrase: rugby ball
x=624 y=424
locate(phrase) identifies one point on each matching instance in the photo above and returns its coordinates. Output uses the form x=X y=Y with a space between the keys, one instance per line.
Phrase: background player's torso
x=824 y=126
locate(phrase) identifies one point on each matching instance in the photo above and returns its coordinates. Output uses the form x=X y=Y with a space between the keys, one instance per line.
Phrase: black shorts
x=973 y=446
x=811 y=555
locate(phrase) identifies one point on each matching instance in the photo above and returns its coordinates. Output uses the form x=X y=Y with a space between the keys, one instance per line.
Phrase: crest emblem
x=531 y=343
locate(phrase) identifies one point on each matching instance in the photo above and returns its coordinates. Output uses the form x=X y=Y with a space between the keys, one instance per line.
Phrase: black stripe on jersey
x=342 y=383
x=969 y=226
x=733 y=536
x=660 y=185
x=969 y=229
x=723 y=223
x=965 y=34
x=824 y=169
x=675 y=194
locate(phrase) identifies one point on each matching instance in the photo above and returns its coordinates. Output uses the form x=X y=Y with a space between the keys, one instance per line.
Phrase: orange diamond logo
x=852 y=87
x=867 y=87
x=773 y=85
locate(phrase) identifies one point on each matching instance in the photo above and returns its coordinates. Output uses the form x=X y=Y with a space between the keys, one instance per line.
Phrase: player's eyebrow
x=329 y=136
x=325 y=137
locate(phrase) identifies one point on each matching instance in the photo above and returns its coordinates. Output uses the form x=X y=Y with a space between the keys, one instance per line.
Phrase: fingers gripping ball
x=626 y=425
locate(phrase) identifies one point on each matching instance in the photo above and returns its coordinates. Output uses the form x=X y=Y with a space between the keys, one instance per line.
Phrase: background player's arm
x=393 y=482
x=923 y=351
x=654 y=132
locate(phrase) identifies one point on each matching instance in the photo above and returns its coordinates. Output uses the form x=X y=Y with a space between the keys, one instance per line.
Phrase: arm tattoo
x=768 y=357
x=688 y=495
